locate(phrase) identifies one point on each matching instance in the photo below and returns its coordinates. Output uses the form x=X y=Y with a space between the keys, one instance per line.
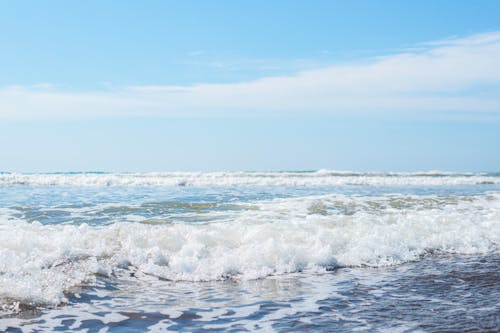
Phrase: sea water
x=248 y=251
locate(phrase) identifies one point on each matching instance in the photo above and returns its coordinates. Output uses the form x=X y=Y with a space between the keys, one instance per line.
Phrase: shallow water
x=400 y=252
x=452 y=293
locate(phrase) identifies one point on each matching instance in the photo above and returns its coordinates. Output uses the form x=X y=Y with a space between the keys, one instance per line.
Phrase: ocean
x=317 y=251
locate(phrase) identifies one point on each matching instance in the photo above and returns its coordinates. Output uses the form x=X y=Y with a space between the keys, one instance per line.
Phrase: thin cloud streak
x=461 y=74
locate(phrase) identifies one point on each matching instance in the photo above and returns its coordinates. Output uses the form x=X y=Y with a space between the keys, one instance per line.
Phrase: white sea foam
x=39 y=263
x=317 y=178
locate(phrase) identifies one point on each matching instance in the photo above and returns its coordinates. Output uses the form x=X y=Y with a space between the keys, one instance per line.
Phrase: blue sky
x=261 y=85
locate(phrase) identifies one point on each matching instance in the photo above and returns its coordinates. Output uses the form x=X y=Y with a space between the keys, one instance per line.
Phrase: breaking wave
x=40 y=264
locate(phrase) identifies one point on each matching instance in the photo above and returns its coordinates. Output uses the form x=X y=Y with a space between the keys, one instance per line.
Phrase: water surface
x=289 y=251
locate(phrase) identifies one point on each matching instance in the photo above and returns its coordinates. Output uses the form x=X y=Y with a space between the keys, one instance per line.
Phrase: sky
x=138 y=86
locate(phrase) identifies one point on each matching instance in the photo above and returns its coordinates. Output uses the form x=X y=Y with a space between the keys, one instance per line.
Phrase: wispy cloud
x=457 y=74
x=43 y=85
x=195 y=53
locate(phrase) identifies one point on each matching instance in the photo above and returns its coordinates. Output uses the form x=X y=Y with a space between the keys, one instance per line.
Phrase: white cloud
x=461 y=74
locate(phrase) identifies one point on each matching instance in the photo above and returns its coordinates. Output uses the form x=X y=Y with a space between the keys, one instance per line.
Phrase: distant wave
x=283 y=178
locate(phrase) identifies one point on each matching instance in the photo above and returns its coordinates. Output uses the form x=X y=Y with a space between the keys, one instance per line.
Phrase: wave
x=286 y=178
x=39 y=263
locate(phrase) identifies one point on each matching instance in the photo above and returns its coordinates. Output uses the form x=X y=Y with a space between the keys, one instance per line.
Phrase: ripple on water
x=457 y=293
